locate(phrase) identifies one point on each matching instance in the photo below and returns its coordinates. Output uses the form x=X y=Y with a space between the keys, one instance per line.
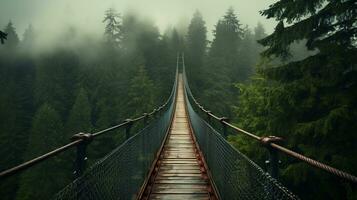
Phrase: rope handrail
x=269 y=141
x=81 y=138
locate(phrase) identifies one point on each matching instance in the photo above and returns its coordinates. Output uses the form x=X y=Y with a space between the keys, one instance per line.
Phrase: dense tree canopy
x=310 y=101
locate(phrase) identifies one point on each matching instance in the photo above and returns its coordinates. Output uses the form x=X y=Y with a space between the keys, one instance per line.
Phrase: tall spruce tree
x=196 y=48
x=223 y=64
x=28 y=39
x=112 y=31
x=12 y=38
x=79 y=119
x=227 y=35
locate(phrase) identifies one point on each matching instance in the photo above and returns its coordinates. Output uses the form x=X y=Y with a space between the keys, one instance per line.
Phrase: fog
x=50 y=17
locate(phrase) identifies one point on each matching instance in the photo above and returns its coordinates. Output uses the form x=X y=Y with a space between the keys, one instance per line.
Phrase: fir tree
x=227 y=35
x=196 y=48
x=28 y=38
x=259 y=32
x=196 y=41
x=79 y=119
x=141 y=93
x=112 y=31
x=12 y=38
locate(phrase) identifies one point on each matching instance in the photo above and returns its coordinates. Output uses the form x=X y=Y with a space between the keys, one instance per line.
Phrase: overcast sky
x=52 y=15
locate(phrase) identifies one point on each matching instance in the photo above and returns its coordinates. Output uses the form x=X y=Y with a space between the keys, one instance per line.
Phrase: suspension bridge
x=176 y=155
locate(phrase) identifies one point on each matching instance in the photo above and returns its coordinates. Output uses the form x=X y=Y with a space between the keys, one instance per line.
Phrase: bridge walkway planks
x=181 y=173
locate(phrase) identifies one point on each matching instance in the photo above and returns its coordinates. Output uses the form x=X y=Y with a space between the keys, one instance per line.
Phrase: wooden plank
x=179 y=190
x=178 y=171
x=180 y=196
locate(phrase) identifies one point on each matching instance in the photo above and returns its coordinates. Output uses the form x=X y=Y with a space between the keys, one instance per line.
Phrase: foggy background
x=50 y=17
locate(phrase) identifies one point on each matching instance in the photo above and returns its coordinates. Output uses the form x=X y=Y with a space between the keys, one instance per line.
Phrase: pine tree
x=12 y=38
x=112 y=31
x=141 y=93
x=223 y=65
x=79 y=119
x=227 y=35
x=28 y=38
x=247 y=56
x=196 y=49
x=259 y=32
x=196 y=41
x=46 y=133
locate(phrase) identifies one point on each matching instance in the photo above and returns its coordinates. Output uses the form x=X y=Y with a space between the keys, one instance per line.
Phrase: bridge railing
x=269 y=142
x=234 y=175
x=122 y=171
x=120 y=174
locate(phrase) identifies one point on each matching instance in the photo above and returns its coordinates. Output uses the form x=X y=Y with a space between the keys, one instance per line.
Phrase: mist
x=52 y=18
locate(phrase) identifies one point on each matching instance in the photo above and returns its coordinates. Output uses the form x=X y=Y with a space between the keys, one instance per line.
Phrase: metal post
x=128 y=128
x=273 y=154
x=146 y=119
x=273 y=162
x=224 y=126
x=155 y=113
x=81 y=157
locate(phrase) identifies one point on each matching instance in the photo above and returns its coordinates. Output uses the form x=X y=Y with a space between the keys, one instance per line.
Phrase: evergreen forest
x=298 y=82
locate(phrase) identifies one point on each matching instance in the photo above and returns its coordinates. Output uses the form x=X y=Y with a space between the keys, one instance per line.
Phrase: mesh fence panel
x=121 y=173
x=235 y=175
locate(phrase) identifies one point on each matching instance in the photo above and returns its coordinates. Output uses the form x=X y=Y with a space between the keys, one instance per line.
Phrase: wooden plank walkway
x=181 y=174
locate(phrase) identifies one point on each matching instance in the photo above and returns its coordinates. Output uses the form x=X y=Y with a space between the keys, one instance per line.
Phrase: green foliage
x=56 y=78
x=46 y=133
x=227 y=36
x=196 y=48
x=141 y=93
x=29 y=38
x=196 y=41
x=231 y=58
x=309 y=100
x=12 y=38
x=89 y=85
x=79 y=119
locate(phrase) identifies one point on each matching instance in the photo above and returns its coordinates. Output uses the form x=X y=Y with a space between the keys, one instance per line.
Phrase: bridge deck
x=181 y=173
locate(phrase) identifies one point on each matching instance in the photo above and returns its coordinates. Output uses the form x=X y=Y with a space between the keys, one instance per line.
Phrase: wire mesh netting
x=234 y=175
x=121 y=173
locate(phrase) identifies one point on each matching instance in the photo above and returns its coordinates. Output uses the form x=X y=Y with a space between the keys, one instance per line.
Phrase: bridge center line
x=181 y=175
